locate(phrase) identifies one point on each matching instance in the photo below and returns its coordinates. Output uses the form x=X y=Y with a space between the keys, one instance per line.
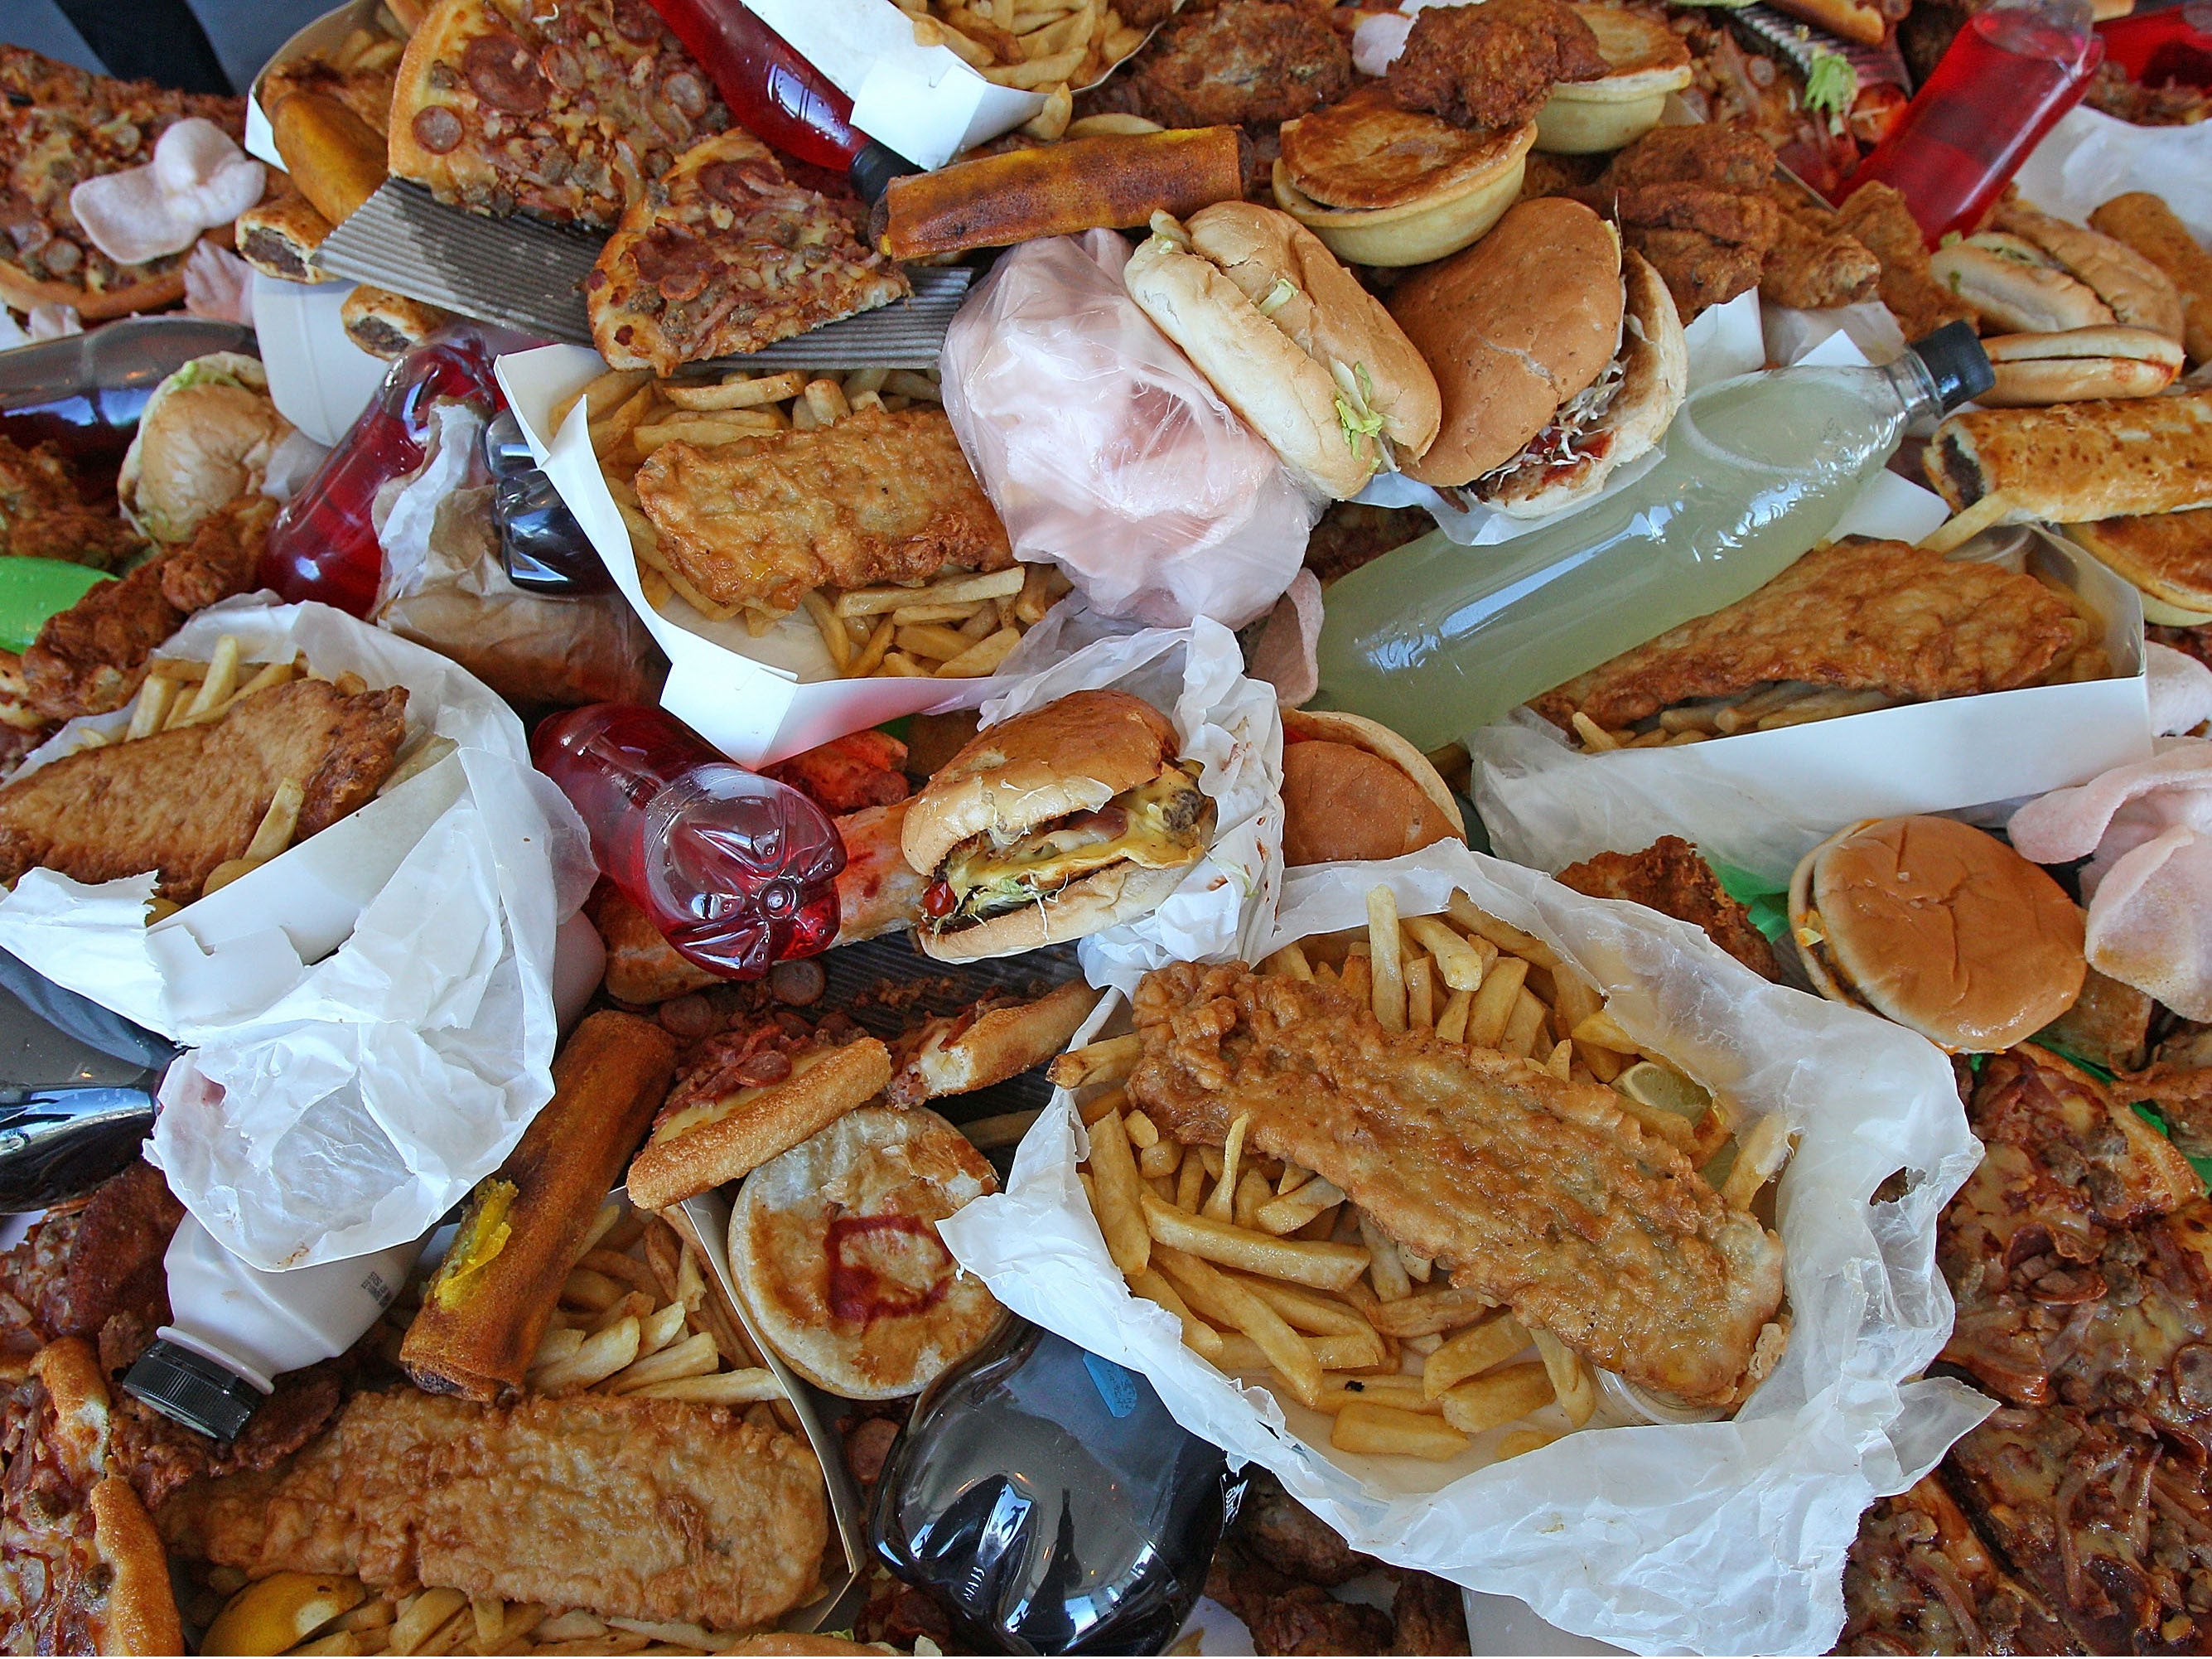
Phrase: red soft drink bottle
x=777 y=95
x=2005 y=81
x=738 y=871
x=323 y=545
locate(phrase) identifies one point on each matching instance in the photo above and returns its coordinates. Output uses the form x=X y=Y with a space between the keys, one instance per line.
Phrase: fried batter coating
x=1693 y=201
x=1254 y=61
x=42 y=516
x=1876 y=215
x=1670 y=876
x=1814 y=263
x=1493 y=65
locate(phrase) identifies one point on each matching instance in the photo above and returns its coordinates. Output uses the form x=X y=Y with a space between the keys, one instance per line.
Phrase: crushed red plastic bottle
x=776 y=94
x=323 y=544
x=737 y=871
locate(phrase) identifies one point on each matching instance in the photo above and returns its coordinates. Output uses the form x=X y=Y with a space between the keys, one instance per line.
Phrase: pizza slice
x=724 y=255
x=1919 y=1580
x=562 y=112
x=82 y=1568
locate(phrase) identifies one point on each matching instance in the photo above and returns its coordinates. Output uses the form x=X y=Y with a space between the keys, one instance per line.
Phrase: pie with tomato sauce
x=562 y=112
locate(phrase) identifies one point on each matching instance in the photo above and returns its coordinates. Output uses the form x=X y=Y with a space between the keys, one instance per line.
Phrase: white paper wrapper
x=1723 y=343
x=373 y=1007
x=1761 y=800
x=1229 y=724
x=1708 y=1538
x=2090 y=157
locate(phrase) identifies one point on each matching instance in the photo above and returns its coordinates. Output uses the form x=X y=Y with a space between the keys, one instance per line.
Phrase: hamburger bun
x=2012 y=283
x=1356 y=790
x=205 y=438
x=1290 y=341
x=2140 y=293
x=2166 y=555
x=1645 y=61
x=2143 y=222
x=2107 y=361
x=1941 y=927
x=834 y=1248
x=1513 y=327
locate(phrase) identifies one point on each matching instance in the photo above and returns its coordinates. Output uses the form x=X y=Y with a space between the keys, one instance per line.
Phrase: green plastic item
x=32 y=590
x=1769 y=907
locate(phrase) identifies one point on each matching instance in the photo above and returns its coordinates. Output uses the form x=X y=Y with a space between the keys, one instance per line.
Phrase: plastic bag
x=1107 y=454
x=371 y=1012
x=1725 y=1537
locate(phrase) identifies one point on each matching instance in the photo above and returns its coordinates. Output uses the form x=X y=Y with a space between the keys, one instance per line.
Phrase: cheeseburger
x=1557 y=363
x=1352 y=789
x=1055 y=824
x=1941 y=927
x=1290 y=340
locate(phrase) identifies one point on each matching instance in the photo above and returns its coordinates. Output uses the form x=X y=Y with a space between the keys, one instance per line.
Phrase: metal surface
x=529 y=276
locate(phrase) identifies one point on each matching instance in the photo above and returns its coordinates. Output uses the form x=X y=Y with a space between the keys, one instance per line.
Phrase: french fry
x=1289 y=962
x=1384 y=1271
x=1340 y=1389
x=1521 y=1441
x=1110 y=1100
x=1386 y=983
x=871 y=655
x=1362 y=1353
x=1451 y=1024
x=1199 y=1336
x=1471 y=916
x=834 y=639
x=1440 y=1307
x=1492 y=1009
x=1380 y=1430
x=557 y=1343
x=1253 y=1190
x=983 y=656
x=1760 y=1153
x=1037 y=72
x=740 y=392
x=1219 y=1204
x=1286 y=1214
x=1109 y=1060
x=214 y=690
x=1213 y=1294
x=1470 y=1352
x=1488 y=1402
x=1111 y=125
x=1420 y=994
x=737 y=1388
x=1143 y=1134
x=420 y=1620
x=417 y=760
x=696 y=1356
x=872 y=601
x=1119 y=1194
x=600 y=1356
x=151 y=711
x=1325 y=1267
x=1561 y=1064
x=1595 y=738
x=1188 y=1180
x=929 y=639
x=1967 y=523
x=704 y=431
x=1306 y=1310
x=1570 y=1383
x=1526 y=1027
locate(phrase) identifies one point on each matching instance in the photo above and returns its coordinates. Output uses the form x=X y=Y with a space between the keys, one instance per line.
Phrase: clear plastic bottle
x=738 y=872
x=1435 y=640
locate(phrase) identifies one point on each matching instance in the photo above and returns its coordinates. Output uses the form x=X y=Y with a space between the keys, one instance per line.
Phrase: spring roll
x=487 y=1307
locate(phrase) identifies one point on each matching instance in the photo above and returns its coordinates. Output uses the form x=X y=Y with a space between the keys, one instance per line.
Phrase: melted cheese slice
x=1052 y=858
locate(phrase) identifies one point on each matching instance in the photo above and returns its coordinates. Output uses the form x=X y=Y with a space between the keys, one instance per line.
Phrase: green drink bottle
x=1435 y=640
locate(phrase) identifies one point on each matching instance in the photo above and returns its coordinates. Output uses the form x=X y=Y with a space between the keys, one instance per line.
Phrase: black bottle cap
x=1956 y=362
x=193 y=1390
x=873 y=169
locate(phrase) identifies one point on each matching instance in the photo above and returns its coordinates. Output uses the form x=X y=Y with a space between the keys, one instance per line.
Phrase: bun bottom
x=1121 y=892
x=2072 y=380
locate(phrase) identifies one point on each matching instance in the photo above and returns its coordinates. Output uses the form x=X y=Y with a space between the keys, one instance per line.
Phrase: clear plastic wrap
x=1107 y=453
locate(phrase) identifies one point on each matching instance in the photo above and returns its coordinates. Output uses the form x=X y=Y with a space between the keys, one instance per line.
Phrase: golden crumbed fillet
x=1875 y=215
x=1670 y=876
x=882 y=497
x=1854 y=615
x=42 y=517
x=1533 y=1191
x=182 y=801
x=635 y=1509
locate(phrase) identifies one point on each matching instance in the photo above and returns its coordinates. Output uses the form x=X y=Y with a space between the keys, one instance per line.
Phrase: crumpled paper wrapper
x=1228 y=723
x=1724 y=1537
x=370 y=1013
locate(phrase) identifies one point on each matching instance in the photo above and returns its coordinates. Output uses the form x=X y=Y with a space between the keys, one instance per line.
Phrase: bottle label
x=1115 y=1386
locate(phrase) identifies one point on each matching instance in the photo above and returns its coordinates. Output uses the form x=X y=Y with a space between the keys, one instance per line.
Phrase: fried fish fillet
x=631 y=1507
x=884 y=495
x=1855 y=615
x=182 y=801
x=1536 y=1192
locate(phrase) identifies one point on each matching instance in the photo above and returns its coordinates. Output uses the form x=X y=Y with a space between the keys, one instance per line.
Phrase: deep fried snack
x=882 y=497
x=42 y=517
x=1493 y=65
x=1813 y=262
x=1876 y=217
x=1256 y=61
x=1670 y=876
x=1693 y=201
x=487 y=1307
x=185 y=800
x=1858 y=615
x=631 y=1507
x=986 y=1042
x=1466 y=1158
x=78 y=1268
x=2146 y=224
x=1723 y=157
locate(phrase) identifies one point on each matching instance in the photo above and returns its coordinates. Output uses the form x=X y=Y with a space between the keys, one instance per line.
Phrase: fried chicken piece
x=1724 y=158
x=78 y=1268
x=1471 y=1158
x=640 y=1509
x=1918 y=1579
x=1875 y=215
x=223 y=557
x=1693 y=201
x=1727 y=215
x=1699 y=271
x=882 y=497
x=1275 y=1528
x=1350 y=534
x=1860 y=614
x=1546 y=174
x=1429 y=1611
x=2178 y=1085
x=1670 y=876
x=43 y=517
x=1814 y=264
x=1285 y=1615
x=1256 y=61
x=1492 y=65
x=158 y=1455
x=846 y=774
x=183 y=801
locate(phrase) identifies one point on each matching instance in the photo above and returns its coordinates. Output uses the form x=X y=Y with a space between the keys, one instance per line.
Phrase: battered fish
x=883 y=496
x=634 y=1509
x=1855 y=615
x=183 y=801
x=1537 y=1193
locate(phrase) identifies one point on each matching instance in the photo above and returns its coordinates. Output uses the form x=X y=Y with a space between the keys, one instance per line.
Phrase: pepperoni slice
x=504 y=75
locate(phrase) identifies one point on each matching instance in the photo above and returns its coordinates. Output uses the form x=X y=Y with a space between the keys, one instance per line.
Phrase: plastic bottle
x=323 y=545
x=1046 y=1500
x=777 y=95
x=235 y=1329
x=2160 y=48
x=1435 y=640
x=738 y=872
x=2005 y=80
x=541 y=545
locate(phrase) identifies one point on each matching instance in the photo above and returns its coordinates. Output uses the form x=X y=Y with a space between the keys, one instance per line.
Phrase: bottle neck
x=1914 y=388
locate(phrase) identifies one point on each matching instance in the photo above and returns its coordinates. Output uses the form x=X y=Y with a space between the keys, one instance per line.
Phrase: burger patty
x=1158 y=826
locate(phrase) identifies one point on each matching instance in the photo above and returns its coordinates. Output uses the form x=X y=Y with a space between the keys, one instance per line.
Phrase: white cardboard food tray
x=319 y=380
x=321 y=35
x=757 y=700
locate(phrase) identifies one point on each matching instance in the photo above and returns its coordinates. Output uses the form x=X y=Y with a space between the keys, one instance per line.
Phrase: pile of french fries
x=640 y=1315
x=1271 y=1270
x=957 y=627
x=1051 y=46
x=180 y=692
